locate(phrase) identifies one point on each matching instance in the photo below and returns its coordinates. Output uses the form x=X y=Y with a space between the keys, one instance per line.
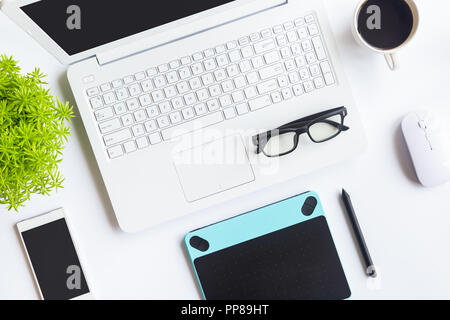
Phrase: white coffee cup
x=391 y=54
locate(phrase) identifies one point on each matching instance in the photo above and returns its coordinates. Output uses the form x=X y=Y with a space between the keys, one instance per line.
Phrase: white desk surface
x=407 y=227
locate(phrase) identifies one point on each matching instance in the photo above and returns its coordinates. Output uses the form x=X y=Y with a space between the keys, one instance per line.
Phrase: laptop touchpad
x=213 y=168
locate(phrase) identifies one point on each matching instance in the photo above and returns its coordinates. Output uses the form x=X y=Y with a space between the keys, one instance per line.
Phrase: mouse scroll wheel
x=422 y=125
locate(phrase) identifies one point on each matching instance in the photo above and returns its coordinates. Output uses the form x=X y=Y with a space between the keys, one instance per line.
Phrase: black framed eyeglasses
x=320 y=127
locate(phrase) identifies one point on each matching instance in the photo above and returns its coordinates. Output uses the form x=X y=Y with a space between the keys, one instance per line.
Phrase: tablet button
x=309 y=206
x=199 y=243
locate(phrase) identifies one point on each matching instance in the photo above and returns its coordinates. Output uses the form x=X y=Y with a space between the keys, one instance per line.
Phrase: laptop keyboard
x=211 y=86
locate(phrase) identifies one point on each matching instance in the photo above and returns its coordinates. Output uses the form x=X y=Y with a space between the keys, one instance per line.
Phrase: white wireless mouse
x=428 y=141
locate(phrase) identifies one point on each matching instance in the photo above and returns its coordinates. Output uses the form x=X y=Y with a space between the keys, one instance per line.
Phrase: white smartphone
x=53 y=257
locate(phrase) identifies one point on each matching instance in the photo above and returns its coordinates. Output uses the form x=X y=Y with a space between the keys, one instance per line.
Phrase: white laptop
x=171 y=93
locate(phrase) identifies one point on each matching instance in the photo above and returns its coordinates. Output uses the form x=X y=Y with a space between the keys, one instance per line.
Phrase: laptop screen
x=80 y=25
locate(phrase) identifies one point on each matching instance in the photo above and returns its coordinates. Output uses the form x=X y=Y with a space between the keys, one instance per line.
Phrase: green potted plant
x=33 y=130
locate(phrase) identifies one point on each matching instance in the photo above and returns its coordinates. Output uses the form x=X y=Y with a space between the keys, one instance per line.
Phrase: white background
x=407 y=227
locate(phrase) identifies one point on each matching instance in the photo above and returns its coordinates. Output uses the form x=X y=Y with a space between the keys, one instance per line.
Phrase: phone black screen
x=55 y=261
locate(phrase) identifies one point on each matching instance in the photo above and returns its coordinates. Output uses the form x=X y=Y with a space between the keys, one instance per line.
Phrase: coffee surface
x=386 y=28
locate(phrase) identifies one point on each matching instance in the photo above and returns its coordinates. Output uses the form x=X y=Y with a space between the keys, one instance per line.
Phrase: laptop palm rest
x=213 y=168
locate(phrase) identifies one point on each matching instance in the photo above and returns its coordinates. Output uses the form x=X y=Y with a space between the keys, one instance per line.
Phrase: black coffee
x=385 y=24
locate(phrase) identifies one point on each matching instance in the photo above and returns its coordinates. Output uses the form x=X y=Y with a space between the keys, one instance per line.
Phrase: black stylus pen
x=370 y=268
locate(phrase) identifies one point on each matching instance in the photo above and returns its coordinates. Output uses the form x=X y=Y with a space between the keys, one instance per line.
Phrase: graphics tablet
x=282 y=251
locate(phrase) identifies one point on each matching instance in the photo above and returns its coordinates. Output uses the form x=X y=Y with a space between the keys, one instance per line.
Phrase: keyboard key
x=264 y=46
x=298 y=90
x=185 y=60
x=266 y=33
x=243 y=41
x=213 y=105
x=128 y=80
x=127 y=120
x=310 y=57
x=188 y=113
x=115 y=152
x=174 y=64
x=109 y=126
x=225 y=101
x=175 y=117
x=152 y=111
x=117 y=137
x=329 y=79
x=255 y=37
x=197 y=56
x=177 y=103
x=309 y=86
x=104 y=114
x=197 y=69
x=150 y=126
x=277 y=29
x=145 y=100
x=260 y=102
x=163 y=122
x=190 y=99
x=306 y=45
x=290 y=65
x=163 y=68
x=139 y=76
x=190 y=126
x=157 y=96
x=309 y=18
x=117 y=83
x=142 y=142
x=319 y=82
x=92 y=92
x=109 y=98
x=154 y=138
x=250 y=92
x=222 y=60
x=96 y=102
x=147 y=85
x=299 y=22
x=302 y=33
x=247 y=52
x=140 y=115
x=152 y=72
x=200 y=109
x=165 y=107
x=276 y=97
x=267 y=86
x=240 y=82
x=238 y=96
x=160 y=81
x=315 y=70
x=287 y=93
x=229 y=113
x=313 y=29
x=242 y=108
x=120 y=108
x=235 y=56
x=138 y=130
x=272 y=57
x=132 y=104
x=122 y=93
x=135 y=89
x=105 y=87
x=270 y=72
x=208 y=53
x=130 y=147
x=319 y=48
x=170 y=92
x=185 y=73
x=172 y=77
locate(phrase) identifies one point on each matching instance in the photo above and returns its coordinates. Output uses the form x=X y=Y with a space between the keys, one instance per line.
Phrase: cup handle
x=392 y=61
